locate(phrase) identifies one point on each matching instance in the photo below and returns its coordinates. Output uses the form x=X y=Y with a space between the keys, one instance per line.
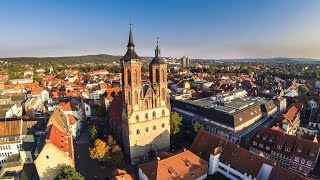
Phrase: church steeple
x=130 y=43
x=131 y=54
x=157 y=58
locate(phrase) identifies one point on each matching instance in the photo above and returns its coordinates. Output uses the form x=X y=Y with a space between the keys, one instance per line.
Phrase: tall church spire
x=130 y=43
x=157 y=50
x=131 y=54
x=157 y=58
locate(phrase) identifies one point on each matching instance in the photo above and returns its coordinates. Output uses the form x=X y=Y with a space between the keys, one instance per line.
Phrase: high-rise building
x=185 y=62
x=145 y=108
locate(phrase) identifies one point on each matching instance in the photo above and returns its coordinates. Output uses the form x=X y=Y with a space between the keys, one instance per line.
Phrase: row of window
x=297 y=159
x=5 y=147
x=147 y=129
x=301 y=168
x=154 y=115
x=2 y=161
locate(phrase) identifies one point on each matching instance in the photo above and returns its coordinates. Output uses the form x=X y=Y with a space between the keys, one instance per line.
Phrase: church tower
x=145 y=108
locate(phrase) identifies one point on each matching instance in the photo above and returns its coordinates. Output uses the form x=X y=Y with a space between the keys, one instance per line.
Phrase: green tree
x=95 y=132
x=304 y=90
x=101 y=112
x=175 y=123
x=37 y=78
x=69 y=173
x=196 y=127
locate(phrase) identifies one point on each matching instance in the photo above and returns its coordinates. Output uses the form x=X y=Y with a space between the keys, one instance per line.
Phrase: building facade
x=145 y=108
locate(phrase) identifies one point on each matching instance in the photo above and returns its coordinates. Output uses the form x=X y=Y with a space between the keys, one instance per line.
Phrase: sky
x=218 y=29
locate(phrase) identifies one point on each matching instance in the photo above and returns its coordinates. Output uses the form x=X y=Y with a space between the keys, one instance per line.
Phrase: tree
x=100 y=151
x=68 y=173
x=37 y=78
x=196 y=127
x=175 y=123
x=101 y=112
x=95 y=132
x=116 y=156
x=304 y=90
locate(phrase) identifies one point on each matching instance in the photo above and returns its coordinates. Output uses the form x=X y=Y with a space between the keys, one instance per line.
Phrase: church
x=145 y=125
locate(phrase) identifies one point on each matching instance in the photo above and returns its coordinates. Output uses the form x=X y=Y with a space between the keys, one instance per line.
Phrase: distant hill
x=273 y=60
x=95 y=59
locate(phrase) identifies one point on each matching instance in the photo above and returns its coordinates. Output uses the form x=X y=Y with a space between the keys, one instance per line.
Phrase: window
x=294 y=166
x=306 y=170
x=264 y=138
x=279 y=147
x=163 y=75
x=267 y=148
x=147 y=117
x=261 y=145
x=136 y=97
x=298 y=150
x=138 y=131
x=300 y=168
x=287 y=149
x=254 y=143
x=134 y=77
x=163 y=125
x=154 y=114
x=157 y=76
x=129 y=77
x=137 y=118
x=47 y=157
x=163 y=112
x=154 y=127
x=163 y=92
x=302 y=161
x=147 y=129
x=270 y=140
x=309 y=163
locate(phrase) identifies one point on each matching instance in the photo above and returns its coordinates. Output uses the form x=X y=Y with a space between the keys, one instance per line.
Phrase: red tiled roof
x=184 y=165
x=69 y=106
x=60 y=139
x=115 y=110
x=37 y=90
x=72 y=119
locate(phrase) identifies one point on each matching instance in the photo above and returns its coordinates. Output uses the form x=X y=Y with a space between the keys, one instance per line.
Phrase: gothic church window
x=129 y=77
x=163 y=75
x=163 y=94
x=157 y=76
x=136 y=97
x=134 y=76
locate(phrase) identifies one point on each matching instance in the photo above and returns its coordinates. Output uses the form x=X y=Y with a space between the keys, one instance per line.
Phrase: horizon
x=206 y=30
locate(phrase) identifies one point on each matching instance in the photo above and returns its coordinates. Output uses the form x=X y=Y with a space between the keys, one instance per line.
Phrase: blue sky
x=194 y=28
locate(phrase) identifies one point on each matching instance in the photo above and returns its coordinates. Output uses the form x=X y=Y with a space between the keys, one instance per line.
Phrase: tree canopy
x=175 y=123
x=95 y=132
x=100 y=151
x=69 y=173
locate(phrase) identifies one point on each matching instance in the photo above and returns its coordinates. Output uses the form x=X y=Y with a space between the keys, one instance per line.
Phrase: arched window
x=134 y=77
x=136 y=97
x=146 y=104
x=157 y=76
x=149 y=103
x=129 y=77
x=163 y=112
x=163 y=75
x=129 y=97
x=163 y=94
x=154 y=114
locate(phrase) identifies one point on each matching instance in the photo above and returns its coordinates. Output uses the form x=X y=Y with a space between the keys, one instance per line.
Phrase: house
x=122 y=175
x=281 y=103
x=290 y=121
x=55 y=150
x=66 y=121
x=184 y=165
x=17 y=143
x=289 y=152
x=233 y=162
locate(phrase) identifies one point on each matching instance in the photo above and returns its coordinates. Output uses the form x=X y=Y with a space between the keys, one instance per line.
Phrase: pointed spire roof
x=157 y=58
x=130 y=54
x=130 y=43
